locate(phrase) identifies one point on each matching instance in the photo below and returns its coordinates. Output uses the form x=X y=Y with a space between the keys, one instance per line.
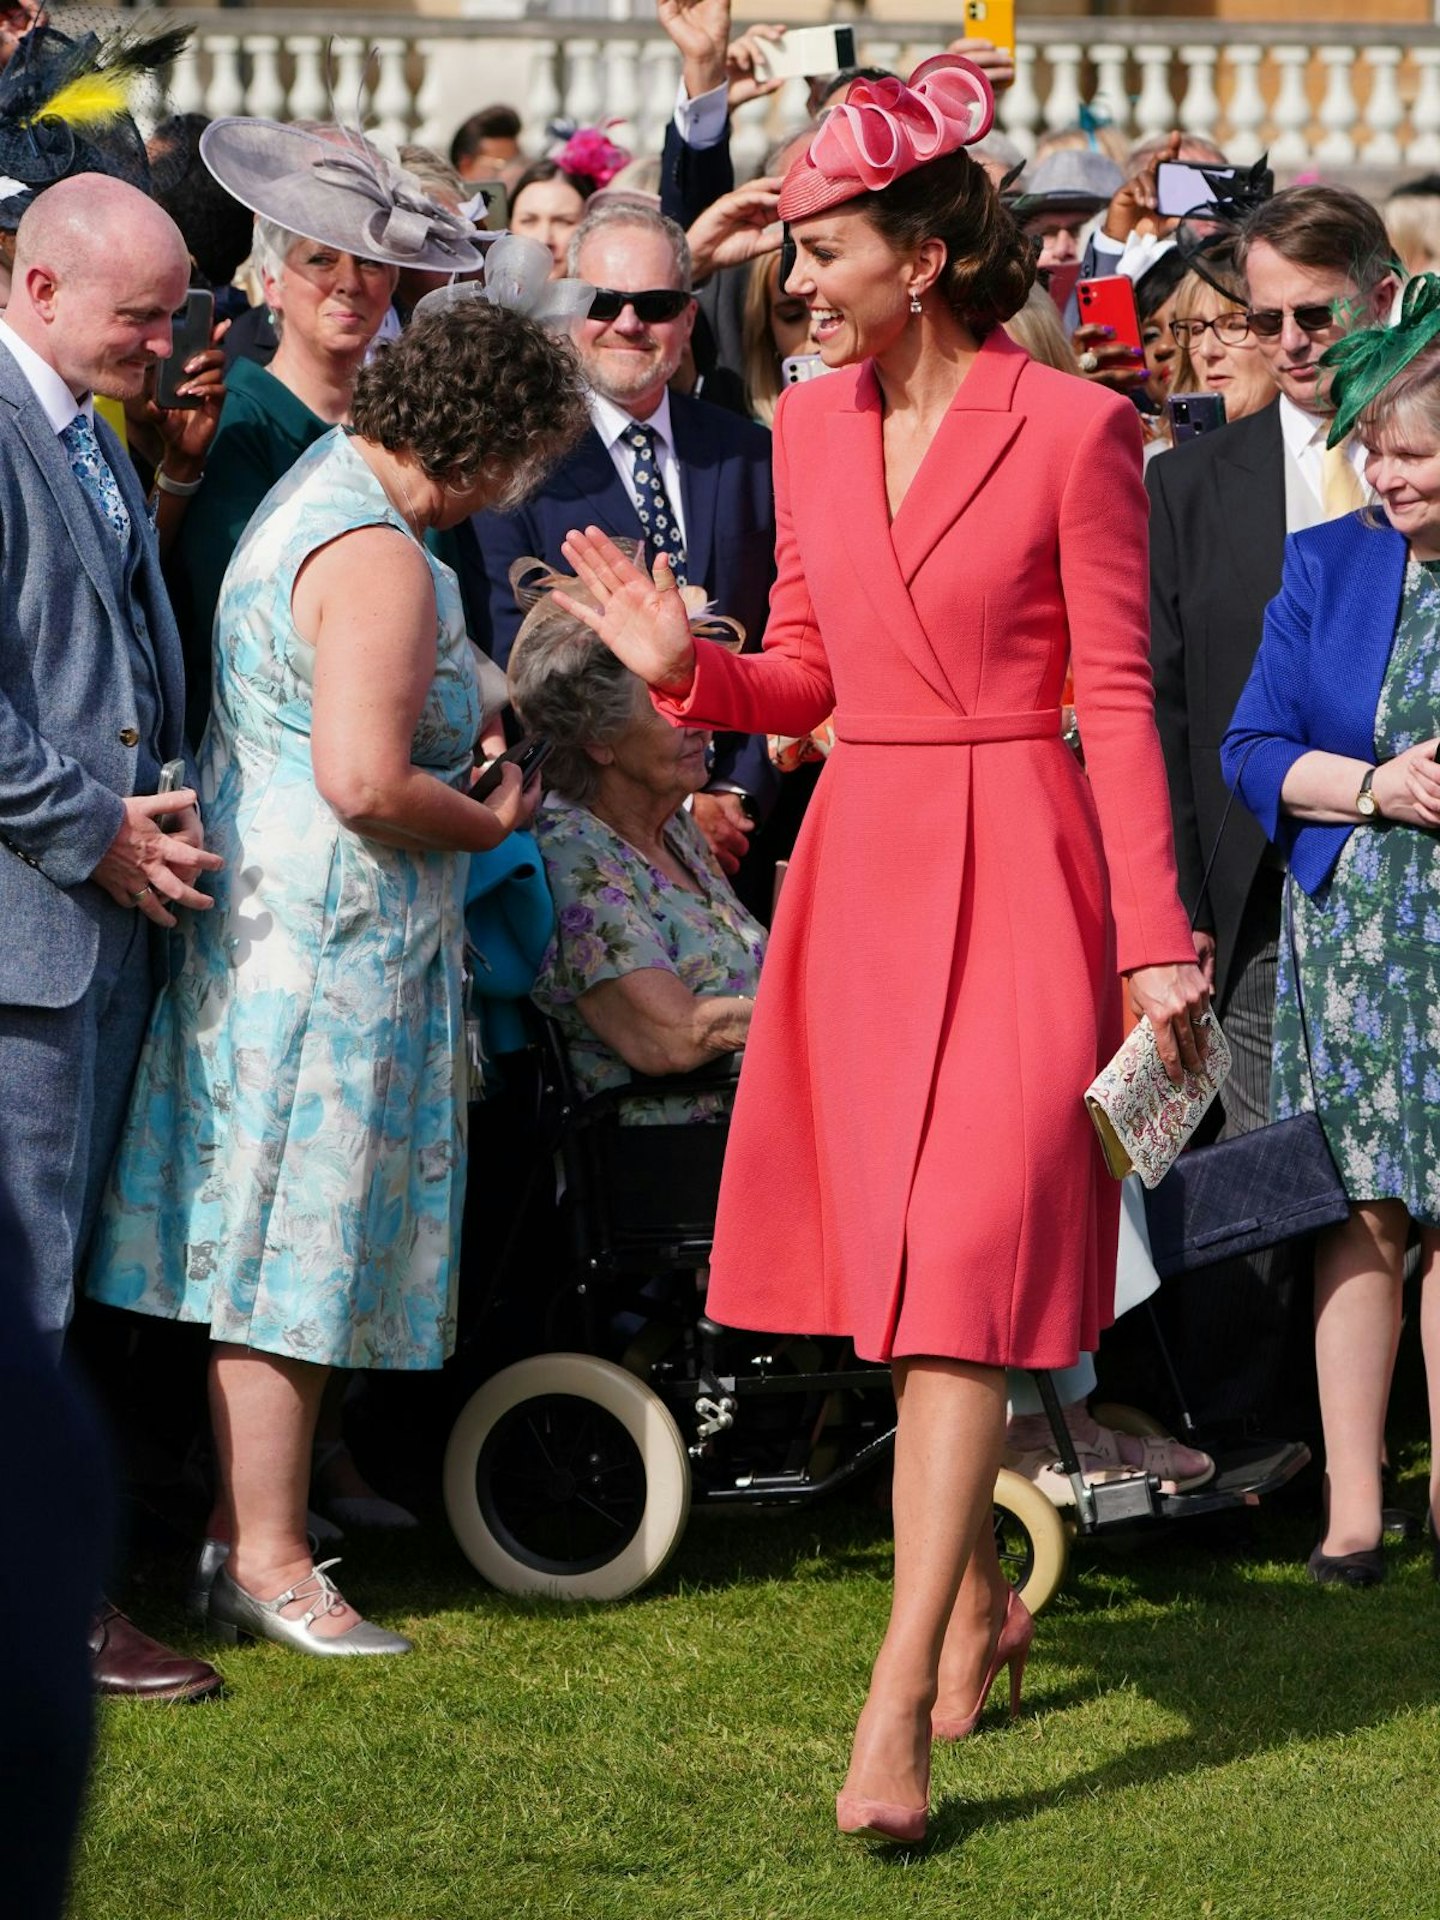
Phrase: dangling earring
x=914 y=303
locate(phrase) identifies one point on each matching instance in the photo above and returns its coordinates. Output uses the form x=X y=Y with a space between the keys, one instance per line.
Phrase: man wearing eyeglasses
x=1317 y=264
x=685 y=477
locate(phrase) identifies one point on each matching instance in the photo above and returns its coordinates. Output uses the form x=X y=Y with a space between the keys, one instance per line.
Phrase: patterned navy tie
x=92 y=470
x=652 y=503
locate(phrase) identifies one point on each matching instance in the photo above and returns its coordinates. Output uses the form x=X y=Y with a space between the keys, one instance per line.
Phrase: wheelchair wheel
x=1031 y=1538
x=566 y=1476
x=1122 y=1419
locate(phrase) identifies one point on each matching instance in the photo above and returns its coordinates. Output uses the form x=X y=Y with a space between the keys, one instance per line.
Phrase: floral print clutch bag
x=1142 y=1117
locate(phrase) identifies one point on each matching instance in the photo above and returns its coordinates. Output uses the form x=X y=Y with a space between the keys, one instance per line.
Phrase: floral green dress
x=1368 y=947
x=616 y=914
x=292 y=1170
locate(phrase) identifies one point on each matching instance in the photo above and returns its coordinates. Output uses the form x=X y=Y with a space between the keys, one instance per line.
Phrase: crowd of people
x=427 y=490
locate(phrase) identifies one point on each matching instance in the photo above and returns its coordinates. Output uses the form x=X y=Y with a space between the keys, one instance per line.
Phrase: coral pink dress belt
x=947 y=730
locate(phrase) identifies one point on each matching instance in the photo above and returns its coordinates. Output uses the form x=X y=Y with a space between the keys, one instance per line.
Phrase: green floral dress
x=1368 y=947
x=616 y=914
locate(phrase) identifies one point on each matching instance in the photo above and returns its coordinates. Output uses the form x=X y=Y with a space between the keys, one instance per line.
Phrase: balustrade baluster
x=1338 y=111
x=349 y=78
x=657 y=94
x=265 y=95
x=225 y=93
x=1111 y=96
x=1384 y=109
x=1200 y=109
x=309 y=96
x=622 y=91
x=1062 y=103
x=584 y=88
x=1290 y=145
x=188 y=92
x=1245 y=140
x=1423 y=147
x=432 y=125
x=1155 y=104
x=391 y=103
x=1018 y=109
x=542 y=97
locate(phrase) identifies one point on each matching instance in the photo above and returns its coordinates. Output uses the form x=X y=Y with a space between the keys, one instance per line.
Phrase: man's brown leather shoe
x=126 y=1661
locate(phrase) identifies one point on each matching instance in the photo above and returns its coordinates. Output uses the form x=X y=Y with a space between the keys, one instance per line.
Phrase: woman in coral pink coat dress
x=910 y=1160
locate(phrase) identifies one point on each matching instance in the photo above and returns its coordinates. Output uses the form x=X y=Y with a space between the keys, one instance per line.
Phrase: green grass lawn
x=1205 y=1733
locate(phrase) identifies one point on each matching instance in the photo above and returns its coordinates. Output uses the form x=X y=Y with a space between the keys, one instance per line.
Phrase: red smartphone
x=1110 y=303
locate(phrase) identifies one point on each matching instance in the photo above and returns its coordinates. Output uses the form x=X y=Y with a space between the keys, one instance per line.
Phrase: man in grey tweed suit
x=91 y=707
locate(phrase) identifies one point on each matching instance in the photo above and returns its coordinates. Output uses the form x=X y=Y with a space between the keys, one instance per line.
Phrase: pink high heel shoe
x=878 y=1820
x=1012 y=1649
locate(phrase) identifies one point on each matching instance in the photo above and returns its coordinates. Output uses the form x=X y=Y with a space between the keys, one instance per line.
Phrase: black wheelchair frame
x=611 y=1403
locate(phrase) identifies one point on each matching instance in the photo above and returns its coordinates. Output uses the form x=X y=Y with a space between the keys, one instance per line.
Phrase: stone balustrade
x=1347 y=98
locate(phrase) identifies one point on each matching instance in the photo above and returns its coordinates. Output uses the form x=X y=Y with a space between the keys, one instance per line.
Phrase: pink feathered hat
x=886 y=128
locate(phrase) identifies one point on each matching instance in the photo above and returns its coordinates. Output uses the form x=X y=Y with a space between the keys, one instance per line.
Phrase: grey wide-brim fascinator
x=517 y=276
x=343 y=193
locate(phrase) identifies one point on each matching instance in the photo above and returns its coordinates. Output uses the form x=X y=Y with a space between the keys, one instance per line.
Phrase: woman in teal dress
x=1333 y=747
x=293 y=1166
x=654 y=962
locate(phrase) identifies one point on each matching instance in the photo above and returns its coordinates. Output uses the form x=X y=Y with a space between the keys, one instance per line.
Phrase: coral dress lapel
x=971 y=441
x=857 y=458
x=969 y=445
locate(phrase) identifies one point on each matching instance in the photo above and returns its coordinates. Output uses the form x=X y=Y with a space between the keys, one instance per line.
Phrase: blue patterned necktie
x=652 y=503
x=92 y=470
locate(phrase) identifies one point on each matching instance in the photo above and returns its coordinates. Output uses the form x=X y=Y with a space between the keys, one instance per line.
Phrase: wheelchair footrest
x=1109 y=1502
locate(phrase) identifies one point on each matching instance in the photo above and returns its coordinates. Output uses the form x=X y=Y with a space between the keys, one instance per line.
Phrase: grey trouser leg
x=65 y=1075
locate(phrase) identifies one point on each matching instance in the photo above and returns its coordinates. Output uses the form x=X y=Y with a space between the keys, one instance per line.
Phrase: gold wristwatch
x=1366 y=805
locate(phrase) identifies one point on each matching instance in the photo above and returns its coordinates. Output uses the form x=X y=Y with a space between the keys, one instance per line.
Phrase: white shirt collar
x=611 y=421
x=1299 y=428
x=50 y=390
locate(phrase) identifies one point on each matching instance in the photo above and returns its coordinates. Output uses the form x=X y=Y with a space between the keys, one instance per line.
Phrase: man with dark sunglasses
x=687 y=478
x=1317 y=265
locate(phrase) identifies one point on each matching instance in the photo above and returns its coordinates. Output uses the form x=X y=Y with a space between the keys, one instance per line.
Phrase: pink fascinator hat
x=886 y=128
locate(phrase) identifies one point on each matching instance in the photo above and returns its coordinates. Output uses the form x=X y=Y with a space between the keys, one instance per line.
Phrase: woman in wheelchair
x=654 y=962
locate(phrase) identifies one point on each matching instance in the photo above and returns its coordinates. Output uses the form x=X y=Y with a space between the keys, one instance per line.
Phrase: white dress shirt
x=1304 y=435
x=610 y=422
x=44 y=382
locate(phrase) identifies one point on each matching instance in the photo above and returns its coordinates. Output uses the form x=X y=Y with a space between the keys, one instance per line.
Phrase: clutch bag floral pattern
x=1142 y=1117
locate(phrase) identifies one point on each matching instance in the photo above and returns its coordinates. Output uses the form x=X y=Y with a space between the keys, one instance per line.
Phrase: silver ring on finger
x=138 y=897
x=1089 y=361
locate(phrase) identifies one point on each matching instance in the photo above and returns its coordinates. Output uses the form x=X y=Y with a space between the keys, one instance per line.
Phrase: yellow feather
x=91 y=101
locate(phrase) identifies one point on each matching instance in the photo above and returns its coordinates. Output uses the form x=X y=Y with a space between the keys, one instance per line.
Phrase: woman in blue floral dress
x=1333 y=747
x=654 y=962
x=293 y=1169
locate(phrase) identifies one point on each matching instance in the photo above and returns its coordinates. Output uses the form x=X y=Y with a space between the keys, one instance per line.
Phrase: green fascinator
x=1363 y=364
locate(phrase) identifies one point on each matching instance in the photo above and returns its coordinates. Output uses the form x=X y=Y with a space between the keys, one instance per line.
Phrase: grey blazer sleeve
x=52 y=813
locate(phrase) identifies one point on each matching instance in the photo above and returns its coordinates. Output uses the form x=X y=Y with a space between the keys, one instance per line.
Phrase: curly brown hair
x=471 y=389
x=989 y=264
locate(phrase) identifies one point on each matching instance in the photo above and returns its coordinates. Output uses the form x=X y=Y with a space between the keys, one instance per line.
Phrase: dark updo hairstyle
x=989 y=264
x=539 y=171
x=473 y=387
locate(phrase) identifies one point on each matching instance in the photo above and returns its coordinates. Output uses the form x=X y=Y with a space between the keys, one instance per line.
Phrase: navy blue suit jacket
x=1316 y=680
x=728 y=500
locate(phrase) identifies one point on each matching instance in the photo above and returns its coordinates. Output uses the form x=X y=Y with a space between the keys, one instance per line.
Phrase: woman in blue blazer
x=1333 y=748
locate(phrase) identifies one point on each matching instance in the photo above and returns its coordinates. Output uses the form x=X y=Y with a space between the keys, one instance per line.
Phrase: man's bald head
x=99 y=269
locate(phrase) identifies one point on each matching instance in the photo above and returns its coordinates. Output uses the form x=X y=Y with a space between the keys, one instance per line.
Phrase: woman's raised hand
x=643 y=620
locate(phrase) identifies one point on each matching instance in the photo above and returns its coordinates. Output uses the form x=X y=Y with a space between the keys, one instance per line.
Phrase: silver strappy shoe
x=237 y=1615
x=212 y=1556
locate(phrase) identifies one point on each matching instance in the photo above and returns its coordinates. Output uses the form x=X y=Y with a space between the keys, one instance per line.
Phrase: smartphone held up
x=190 y=331
x=529 y=755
